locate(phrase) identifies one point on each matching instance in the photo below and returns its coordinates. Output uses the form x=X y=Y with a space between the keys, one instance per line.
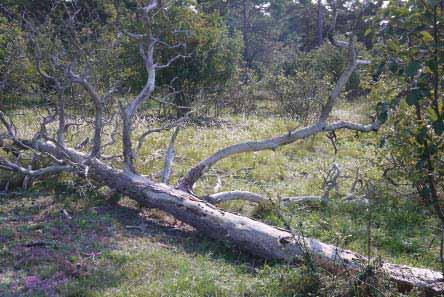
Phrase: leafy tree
x=16 y=73
x=412 y=32
x=210 y=56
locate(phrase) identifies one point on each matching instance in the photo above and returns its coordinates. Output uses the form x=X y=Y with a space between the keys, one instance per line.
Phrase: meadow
x=62 y=237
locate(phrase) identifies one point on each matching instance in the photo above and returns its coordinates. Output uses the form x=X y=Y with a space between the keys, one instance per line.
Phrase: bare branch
x=48 y=119
x=172 y=60
x=168 y=126
x=120 y=30
x=303 y=199
x=233 y=195
x=268 y=144
x=61 y=113
x=256 y=198
x=146 y=48
x=197 y=171
x=169 y=46
x=24 y=144
x=353 y=126
x=132 y=107
x=340 y=84
x=8 y=124
x=81 y=80
x=363 y=62
x=188 y=181
x=166 y=173
x=330 y=183
x=72 y=124
x=134 y=36
x=54 y=169
x=98 y=105
x=82 y=143
x=150 y=7
x=112 y=135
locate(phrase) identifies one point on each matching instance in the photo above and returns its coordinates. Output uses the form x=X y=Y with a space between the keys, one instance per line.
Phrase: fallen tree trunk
x=256 y=237
x=253 y=236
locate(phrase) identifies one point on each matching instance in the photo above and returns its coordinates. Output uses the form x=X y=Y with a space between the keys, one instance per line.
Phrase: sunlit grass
x=133 y=263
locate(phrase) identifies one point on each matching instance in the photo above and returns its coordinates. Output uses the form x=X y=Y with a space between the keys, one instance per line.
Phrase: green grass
x=95 y=254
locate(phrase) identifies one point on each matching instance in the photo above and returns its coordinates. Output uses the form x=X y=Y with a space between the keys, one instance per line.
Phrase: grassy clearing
x=95 y=254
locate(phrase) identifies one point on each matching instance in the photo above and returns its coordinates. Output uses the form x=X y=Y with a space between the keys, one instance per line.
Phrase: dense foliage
x=414 y=58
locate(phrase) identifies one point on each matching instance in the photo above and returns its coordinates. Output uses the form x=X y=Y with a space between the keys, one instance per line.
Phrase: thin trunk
x=320 y=24
x=436 y=62
x=97 y=142
x=127 y=144
x=61 y=113
x=246 y=31
x=166 y=173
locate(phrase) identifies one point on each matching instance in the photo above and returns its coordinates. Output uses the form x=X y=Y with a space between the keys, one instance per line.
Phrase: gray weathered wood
x=253 y=236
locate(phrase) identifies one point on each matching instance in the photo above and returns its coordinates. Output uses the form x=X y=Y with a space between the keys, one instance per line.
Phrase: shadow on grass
x=60 y=245
x=168 y=231
x=44 y=245
x=51 y=246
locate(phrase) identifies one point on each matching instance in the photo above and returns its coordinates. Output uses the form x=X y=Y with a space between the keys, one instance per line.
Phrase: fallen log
x=253 y=236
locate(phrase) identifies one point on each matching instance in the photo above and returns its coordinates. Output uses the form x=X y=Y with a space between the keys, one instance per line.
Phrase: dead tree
x=253 y=236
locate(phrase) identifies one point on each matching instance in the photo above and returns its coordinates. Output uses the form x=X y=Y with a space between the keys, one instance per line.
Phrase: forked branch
x=53 y=169
x=98 y=106
x=146 y=48
x=188 y=181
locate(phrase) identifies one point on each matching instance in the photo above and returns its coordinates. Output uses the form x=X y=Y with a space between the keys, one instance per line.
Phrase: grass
x=93 y=253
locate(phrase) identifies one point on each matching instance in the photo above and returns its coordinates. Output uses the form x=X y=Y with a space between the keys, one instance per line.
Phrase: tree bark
x=320 y=24
x=246 y=31
x=253 y=236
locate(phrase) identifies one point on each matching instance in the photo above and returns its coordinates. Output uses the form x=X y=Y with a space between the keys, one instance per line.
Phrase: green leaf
x=425 y=192
x=382 y=112
x=432 y=149
x=379 y=70
x=393 y=45
x=413 y=96
x=432 y=64
x=367 y=32
x=382 y=141
x=432 y=114
x=393 y=65
x=426 y=36
x=420 y=165
x=421 y=136
x=433 y=3
x=413 y=68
